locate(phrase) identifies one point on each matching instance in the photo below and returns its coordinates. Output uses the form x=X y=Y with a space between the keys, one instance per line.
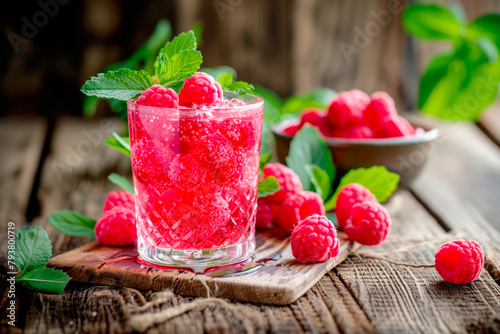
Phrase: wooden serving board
x=273 y=276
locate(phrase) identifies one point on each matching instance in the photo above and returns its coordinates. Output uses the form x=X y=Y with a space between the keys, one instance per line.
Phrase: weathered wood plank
x=461 y=185
x=280 y=281
x=400 y=299
x=74 y=175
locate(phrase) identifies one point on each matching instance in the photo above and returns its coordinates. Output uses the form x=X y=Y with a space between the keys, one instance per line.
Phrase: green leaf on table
x=317 y=98
x=121 y=182
x=33 y=248
x=45 y=279
x=309 y=148
x=264 y=159
x=268 y=186
x=320 y=181
x=431 y=21
x=72 y=223
x=123 y=84
x=180 y=66
x=122 y=144
x=377 y=179
x=225 y=80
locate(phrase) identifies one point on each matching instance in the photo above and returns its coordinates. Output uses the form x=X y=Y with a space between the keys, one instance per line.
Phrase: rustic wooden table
x=45 y=168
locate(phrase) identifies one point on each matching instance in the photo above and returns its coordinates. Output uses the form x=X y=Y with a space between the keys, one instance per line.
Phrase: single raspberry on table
x=346 y=109
x=315 y=240
x=116 y=227
x=381 y=107
x=460 y=261
x=349 y=195
x=200 y=89
x=119 y=198
x=369 y=223
x=264 y=214
x=297 y=207
x=159 y=96
x=288 y=181
x=213 y=150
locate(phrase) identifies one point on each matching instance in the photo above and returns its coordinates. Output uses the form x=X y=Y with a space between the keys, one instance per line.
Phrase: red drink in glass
x=195 y=177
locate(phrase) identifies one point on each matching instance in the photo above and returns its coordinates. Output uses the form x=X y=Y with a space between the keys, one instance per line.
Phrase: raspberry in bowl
x=195 y=167
x=364 y=131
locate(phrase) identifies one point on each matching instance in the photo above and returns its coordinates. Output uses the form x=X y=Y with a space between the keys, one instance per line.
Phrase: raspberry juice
x=195 y=178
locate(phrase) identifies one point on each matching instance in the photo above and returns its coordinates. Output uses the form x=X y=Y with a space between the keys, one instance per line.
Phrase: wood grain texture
x=278 y=282
x=400 y=299
x=461 y=185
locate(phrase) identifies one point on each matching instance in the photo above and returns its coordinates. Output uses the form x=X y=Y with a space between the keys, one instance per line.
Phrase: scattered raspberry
x=291 y=130
x=315 y=240
x=264 y=214
x=297 y=207
x=186 y=172
x=242 y=132
x=213 y=150
x=119 y=198
x=460 y=261
x=369 y=223
x=232 y=173
x=381 y=107
x=346 y=109
x=287 y=179
x=116 y=227
x=394 y=127
x=150 y=159
x=200 y=89
x=159 y=96
x=349 y=195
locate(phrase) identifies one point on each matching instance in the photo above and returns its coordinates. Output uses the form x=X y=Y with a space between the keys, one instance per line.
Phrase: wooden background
x=290 y=46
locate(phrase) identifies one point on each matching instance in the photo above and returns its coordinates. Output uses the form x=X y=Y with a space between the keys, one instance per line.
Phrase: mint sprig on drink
x=176 y=61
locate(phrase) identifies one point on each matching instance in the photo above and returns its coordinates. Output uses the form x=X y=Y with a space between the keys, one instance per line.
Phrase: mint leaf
x=317 y=98
x=175 y=85
x=264 y=159
x=225 y=80
x=268 y=186
x=320 y=180
x=486 y=26
x=121 y=182
x=431 y=21
x=377 y=179
x=72 y=223
x=240 y=87
x=123 y=84
x=183 y=41
x=45 y=279
x=309 y=148
x=180 y=66
x=122 y=144
x=33 y=248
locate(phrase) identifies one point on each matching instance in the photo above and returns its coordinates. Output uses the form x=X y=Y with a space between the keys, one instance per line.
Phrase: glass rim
x=258 y=103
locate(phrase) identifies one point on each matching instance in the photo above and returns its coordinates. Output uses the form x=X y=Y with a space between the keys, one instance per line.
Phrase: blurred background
x=51 y=47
